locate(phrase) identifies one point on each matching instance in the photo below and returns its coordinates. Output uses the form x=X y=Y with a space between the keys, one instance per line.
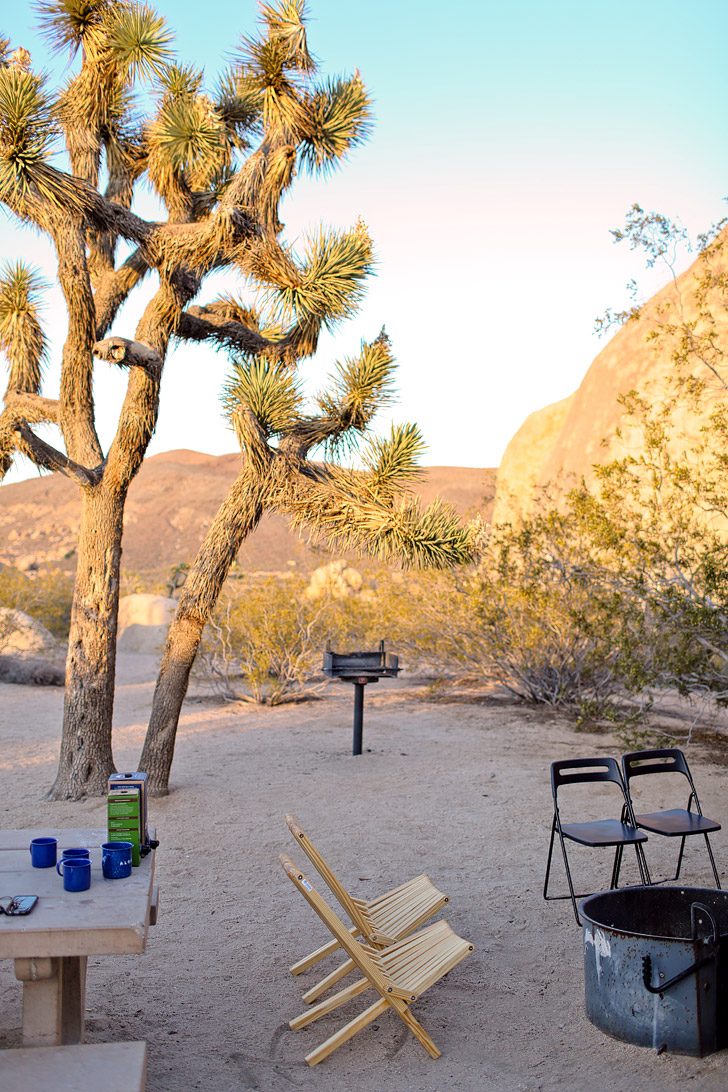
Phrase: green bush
x=46 y=597
x=266 y=635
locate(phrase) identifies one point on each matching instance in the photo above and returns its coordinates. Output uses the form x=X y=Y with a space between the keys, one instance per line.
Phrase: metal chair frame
x=675 y=822
x=594 y=833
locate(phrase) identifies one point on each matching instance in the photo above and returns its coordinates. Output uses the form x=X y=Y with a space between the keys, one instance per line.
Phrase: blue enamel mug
x=43 y=852
x=76 y=872
x=116 y=860
x=76 y=851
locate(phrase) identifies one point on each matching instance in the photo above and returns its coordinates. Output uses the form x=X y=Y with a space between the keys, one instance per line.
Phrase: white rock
x=19 y=633
x=144 y=621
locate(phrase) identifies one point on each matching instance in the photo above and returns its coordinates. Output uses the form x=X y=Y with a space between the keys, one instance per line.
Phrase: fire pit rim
x=688 y=892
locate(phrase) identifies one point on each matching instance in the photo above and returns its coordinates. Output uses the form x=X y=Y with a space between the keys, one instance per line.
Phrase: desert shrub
x=46 y=597
x=265 y=636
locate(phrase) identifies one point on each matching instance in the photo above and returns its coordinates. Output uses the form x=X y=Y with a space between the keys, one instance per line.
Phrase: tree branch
x=202 y=324
x=32 y=407
x=50 y=458
x=114 y=287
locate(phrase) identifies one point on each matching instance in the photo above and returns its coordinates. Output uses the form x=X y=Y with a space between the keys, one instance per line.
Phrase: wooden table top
x=112 y=917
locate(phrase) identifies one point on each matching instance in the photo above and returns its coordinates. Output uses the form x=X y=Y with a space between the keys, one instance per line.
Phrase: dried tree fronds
x=72 y=24
x=345 y=519
x=286 y=23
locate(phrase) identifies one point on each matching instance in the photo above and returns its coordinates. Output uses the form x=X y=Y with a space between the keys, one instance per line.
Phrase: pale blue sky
x=509 y=139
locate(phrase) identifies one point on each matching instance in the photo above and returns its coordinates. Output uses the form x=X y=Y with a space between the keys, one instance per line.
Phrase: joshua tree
x=369 y=509
x=219 y=163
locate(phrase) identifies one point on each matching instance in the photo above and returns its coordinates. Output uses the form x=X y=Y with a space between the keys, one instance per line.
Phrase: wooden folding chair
x=381 y=922
x=399 y=973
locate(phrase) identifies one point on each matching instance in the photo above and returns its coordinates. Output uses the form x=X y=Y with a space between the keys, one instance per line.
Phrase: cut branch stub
x=129 y=354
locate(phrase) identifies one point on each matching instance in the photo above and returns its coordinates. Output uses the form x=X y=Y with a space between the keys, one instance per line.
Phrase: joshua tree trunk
x=86 y=759
x=238 y=517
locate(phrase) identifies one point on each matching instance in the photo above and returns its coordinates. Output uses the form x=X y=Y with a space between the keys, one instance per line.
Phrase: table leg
x=54 y=999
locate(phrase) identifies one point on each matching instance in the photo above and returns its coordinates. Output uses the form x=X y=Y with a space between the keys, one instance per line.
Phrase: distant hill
x=171 y=503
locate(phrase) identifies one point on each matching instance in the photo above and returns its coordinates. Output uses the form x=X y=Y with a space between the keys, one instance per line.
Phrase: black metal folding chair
x=594 y=833
x=676 y=822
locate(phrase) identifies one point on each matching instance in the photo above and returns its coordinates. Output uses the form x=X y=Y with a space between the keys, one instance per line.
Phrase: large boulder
x=20 y=634
x=144 y=621
x=565 y=441
x=520 y=470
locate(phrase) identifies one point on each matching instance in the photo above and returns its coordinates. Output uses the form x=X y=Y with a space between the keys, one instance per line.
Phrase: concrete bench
x=94 y=1067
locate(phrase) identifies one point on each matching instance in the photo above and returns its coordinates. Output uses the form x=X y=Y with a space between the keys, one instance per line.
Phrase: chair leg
x=568 y=877
x=416 y=1028
x=330 y=1004
x=331 y=979
x=347 y=1032
x=642 y=862
x=546 y=895
x=548 y=860
x=712 y=861
x=617 y=866
x=320 y=953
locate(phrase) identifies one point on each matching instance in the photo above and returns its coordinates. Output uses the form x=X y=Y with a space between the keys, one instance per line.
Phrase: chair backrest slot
x=327 y=874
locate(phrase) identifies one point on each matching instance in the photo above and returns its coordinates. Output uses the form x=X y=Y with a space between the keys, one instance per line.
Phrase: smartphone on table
x=17 y=905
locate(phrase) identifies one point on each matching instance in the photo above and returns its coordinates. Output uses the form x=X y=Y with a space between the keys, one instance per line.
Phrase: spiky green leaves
x=26 y=134
x=186 y=135
x=269 y=391
x=393 y=463
x=339 y=118
x=131 y=35
x=330 y=282
x=139 y=40
x=360 y=387
x=275 y=69
x=21 y=334
x=68 y=24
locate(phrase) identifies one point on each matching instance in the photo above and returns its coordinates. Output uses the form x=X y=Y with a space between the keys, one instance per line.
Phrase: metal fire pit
x=656 y=966
x=360 y=668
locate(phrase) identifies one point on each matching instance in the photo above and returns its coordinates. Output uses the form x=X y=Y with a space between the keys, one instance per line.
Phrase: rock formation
x=566 y=440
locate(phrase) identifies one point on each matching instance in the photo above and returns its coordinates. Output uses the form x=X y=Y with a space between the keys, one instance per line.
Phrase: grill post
x=360 y=668
x=358 y=715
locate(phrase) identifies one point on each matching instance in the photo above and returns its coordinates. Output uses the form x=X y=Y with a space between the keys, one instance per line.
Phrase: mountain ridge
x=170 y=505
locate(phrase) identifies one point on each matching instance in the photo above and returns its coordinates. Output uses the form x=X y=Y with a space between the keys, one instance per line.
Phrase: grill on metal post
x=360 y=668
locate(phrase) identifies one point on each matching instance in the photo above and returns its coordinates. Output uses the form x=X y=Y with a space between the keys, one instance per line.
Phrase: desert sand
x=457 y=789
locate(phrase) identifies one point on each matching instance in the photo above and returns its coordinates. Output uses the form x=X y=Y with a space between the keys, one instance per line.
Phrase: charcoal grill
x=656 y=966
x=360 y=668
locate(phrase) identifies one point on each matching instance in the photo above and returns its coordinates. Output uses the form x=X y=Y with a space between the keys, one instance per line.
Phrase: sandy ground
x=457 y=790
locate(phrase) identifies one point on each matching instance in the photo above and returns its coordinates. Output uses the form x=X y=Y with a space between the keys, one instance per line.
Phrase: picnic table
x=51 y=945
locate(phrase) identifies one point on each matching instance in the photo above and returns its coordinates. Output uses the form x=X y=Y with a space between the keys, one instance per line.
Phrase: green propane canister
x=124 y=822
